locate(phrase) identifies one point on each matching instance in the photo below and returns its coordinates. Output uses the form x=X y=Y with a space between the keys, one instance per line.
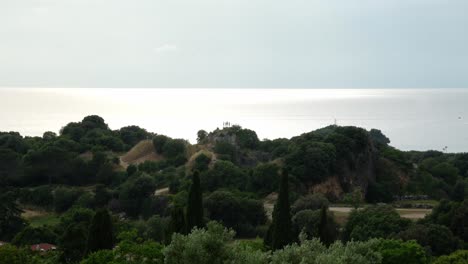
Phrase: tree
x=378 y=137
x=438 y=239
x=131 y=135
x=75 y=216
x=128 y=251
x=281 y=234
x=445 y=171
x=397 y=252
x=12 y=255
x=201 y=136
x=309 y=222
x=105 y=174
x=174 y=148
x=156 y=228
x=10 y=216
x=313 y=251
x=225 y=150
x=355 y=198
x=240 y=213
x=374 y=222
x=459 y=223
x=247 y=138
x=64 y=198
x=210 y=245
x=457 y=257
x=224 y=174
x=34 y=235
x=134 y=192
x=453 y=215
x=311 y=161
x=311 y=202
x=201 y=162
x=325 y=236
x=131 y=169
x=177 y=224
x=195 y=204
x=100 y=232
x=73 y=242
x=158 y=142
x=99 y=257
x=10 y=167
x=264 y=178
x=101 y=196
x=458 y=193
x=93 y=122
x=49 y=136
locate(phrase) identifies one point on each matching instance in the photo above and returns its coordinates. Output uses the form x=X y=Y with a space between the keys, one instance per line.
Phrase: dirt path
x=406 y=213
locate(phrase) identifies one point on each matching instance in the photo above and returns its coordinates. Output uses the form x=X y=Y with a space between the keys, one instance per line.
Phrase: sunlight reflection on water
x=412 y=118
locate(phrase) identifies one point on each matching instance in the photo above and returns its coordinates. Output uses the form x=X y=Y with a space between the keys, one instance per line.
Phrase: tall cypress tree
x=177 y=224
x=195 y=204
x=324 y=234
x=281 y=232
x=100 y=232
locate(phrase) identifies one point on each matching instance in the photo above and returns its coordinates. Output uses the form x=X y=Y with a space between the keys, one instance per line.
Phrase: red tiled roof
x=43 y=247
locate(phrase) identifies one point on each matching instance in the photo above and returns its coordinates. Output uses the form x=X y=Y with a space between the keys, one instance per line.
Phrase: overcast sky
x=234 y=43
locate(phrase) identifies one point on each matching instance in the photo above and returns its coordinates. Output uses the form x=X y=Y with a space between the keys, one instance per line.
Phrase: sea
x=413 y=119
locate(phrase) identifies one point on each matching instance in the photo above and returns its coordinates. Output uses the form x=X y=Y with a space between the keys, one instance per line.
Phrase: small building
x=43 y=247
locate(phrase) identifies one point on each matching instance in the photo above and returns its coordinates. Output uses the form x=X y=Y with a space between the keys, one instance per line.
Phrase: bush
x=374 y=222
x=156 y=228
x=439 y=239
x=34 y=235
x=224 y=174
x=64 y=198
x=225 y=151
x=200 y=246
x=158 y=142
x=134 y=192
x=311 y=161
x=311 y=202
x=201 y=162
x=241 y=214
x=397 y=252
x=12 y=255
x=85 y=200
x=174 y=148
x=264 y=179
x=457 y=257
x=312 y=251
x=308 y=222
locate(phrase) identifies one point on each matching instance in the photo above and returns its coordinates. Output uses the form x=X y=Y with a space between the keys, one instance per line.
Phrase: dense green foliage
x=236 y=212
x=100 y=232
x=374 y=222
x=10 y=220
x=457 y=257
x=88 y=198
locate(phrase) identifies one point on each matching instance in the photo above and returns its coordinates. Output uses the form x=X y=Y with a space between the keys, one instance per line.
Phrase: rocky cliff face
x=359 y=170
x=355 y=172
x=224 y=135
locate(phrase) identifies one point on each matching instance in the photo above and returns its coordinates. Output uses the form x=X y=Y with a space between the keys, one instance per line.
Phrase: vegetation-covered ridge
x=90 y=188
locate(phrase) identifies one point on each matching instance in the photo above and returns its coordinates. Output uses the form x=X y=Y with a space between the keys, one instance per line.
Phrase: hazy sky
x=234 y=43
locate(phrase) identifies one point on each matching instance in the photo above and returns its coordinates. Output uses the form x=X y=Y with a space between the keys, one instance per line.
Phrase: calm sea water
x=414 y=119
